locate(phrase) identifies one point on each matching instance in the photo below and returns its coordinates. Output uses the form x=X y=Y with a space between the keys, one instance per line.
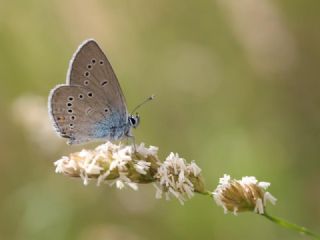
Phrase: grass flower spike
x=127 y=166
x=122 y=165
x=242 y=195
x=248 y=194
x=178 y=178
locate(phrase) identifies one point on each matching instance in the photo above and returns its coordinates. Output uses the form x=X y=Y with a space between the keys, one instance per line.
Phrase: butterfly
x=91 y=105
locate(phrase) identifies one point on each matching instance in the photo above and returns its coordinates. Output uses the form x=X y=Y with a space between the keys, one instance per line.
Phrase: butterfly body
x=90 y=106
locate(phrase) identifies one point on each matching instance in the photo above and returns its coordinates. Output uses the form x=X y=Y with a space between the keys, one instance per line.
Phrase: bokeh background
x=238 y=90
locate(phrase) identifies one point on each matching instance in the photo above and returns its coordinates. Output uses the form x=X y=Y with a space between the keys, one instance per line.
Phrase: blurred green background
x=237 y=85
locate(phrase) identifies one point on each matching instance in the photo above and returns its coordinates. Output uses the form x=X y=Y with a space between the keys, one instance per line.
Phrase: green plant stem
x=206 y=193
x=292 y=226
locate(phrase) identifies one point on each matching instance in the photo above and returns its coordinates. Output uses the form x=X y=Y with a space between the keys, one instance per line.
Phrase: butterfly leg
x=129 y=136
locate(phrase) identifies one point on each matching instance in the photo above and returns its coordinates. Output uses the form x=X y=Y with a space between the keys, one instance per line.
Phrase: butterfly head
x=134 y=120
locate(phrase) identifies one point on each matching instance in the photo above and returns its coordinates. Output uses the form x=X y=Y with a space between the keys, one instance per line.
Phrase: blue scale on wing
x=113 y=127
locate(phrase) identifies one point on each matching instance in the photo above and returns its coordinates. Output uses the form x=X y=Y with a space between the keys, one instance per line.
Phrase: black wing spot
x=90 y=94
x=69 y=104
x=86 y=82
x=70 y=98
x=93 y=60
x=64 y=134
x=104 y=83
x=70 y=111
x=106 y=110
x=71 y=125
x=72 y=117
x=89 y=66
x=86 y=74
x=80 y=96
x=101 y=62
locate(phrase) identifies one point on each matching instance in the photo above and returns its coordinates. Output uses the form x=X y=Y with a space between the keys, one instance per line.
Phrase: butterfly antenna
x=145 y=101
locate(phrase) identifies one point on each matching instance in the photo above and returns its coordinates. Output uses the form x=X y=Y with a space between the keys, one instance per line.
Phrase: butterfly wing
x=91 y=105
x=90 y=68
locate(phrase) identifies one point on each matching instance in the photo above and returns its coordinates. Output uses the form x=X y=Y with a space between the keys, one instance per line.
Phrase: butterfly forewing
x=90 y=68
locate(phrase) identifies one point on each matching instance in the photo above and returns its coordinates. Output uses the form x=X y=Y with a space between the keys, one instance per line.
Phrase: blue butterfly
x=91 y=105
